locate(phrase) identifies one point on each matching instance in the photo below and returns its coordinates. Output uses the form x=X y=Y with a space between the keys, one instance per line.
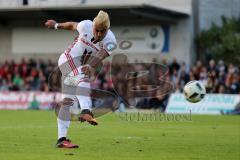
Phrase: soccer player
x=94 y=38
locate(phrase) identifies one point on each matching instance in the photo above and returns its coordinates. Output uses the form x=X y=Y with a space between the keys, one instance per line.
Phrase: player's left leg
x=83 y=94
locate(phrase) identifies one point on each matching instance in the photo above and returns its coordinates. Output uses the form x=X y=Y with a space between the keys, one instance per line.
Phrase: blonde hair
x=102 y=18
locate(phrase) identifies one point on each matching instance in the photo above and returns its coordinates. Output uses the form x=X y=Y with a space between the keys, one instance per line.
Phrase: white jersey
x=76 y=53
x=83 y=43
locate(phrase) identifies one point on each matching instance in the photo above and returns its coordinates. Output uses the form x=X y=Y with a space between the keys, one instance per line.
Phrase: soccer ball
x=194 y=91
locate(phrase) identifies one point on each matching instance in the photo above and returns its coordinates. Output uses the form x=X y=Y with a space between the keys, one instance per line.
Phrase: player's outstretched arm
x=52 y=24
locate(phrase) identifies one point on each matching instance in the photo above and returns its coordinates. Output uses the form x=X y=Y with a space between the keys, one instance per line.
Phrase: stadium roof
x=166 y=11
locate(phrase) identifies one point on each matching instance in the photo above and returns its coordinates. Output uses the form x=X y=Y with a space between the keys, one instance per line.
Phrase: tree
x=222 y=42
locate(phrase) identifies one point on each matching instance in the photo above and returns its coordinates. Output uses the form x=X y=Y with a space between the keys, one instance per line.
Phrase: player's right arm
x=52 y=24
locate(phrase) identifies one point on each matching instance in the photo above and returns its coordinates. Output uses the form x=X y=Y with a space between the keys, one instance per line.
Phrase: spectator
x=199 y=67
x=203 y=76
x=174 y=66
x=235 y=85
x=221 y=67
x=221 y=89
x=184 y=78
x=159 y=102
x=34 y=104
x=212 y=66
x=17 y=82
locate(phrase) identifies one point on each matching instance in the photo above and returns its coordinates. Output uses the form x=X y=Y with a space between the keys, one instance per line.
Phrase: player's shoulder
x=86 y=23
x=110 y=36
x=84 y=26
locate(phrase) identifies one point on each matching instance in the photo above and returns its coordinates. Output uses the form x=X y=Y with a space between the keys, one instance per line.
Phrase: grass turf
x=28 y=135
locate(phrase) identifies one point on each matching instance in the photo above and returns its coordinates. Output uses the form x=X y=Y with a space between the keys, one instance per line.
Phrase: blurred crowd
x=218 y=77
x=28 y=75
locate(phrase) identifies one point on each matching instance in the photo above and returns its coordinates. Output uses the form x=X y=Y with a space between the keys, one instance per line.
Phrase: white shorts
x=71 y=67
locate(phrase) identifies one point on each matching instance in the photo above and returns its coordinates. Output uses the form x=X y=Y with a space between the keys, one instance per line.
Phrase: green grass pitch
x=31 y=135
